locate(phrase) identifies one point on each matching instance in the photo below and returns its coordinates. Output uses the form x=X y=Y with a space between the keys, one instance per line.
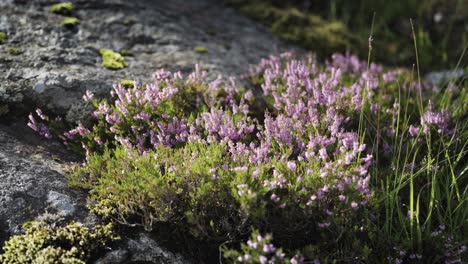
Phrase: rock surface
x=59 y=64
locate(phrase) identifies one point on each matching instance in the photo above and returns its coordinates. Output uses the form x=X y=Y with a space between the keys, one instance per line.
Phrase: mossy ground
x=326 y=27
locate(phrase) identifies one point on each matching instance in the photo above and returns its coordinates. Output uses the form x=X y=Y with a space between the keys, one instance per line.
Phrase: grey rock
x=142 y=249
x=146 y=249
x=58 y=64
x=442 y=77
x=31 y=181
x=61 y=203
x=114 y=257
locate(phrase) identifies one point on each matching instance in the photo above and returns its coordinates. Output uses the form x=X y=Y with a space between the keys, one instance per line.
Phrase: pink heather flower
x=32 y=123
x=40 y=114
x=88 y=96
x=324 y=225
x=255 y=173
x=98 y=140
x=291 y=165
x=275 y=198
x=269 y=248
x=413 y=131
x=252 y=244
x=263 y=259
x=354 y=205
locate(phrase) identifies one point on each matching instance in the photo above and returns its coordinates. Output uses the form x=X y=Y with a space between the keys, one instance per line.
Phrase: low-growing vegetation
x=326 y=27
x=112 y=60
x=200 y=49
x=15 y=51
x=65 y=8
x=70 y=22
x=43 y=243
x=345 y=161
x=3 y=37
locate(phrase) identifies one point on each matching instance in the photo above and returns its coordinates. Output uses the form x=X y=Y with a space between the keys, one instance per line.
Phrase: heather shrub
x=346 y=161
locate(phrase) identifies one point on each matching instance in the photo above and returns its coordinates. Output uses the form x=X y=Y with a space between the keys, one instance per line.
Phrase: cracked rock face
x=57 y=65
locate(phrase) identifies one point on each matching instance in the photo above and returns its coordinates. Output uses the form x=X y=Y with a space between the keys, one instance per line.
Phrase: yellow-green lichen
x=200 y=49
x=70 y=22
x=3 y=37
x=126 y=52
x=112 y=60
x=127 y=83
x=43 y=243
x=15 y=51
x=65 y=8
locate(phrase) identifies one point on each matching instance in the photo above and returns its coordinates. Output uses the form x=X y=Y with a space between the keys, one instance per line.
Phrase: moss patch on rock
x=43 y=243
x=200 y=49
x=70 y=22
x=127 y=83
x=3 y=37
x=126 y=52
x=112 y=60
x=65 y=8
x=15 y=51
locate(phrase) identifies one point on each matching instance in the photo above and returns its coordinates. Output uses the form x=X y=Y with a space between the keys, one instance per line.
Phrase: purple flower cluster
x=39 y=127
x=259 y=249
x=438 y=120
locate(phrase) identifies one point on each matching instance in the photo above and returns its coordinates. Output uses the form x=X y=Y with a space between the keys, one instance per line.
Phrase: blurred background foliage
x=326 y=27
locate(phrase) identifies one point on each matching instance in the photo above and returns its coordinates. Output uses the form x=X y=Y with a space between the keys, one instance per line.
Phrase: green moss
x=3 y=37
x=128 y=21
x=200 y=49
x=4 y=109
x=112 y=60
x=70 y=22
x=307 y=30
x=127 y=83
x=43 y=243
x=126 y=52
x=15 y=51
x=65 y=8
